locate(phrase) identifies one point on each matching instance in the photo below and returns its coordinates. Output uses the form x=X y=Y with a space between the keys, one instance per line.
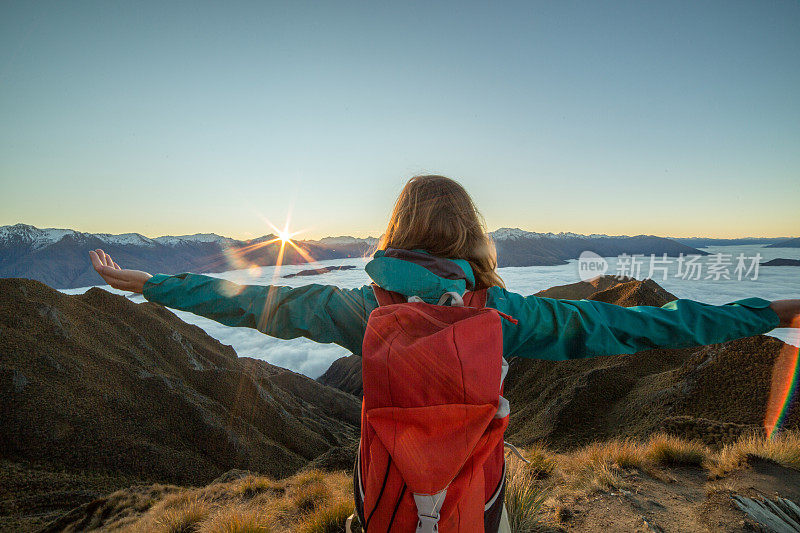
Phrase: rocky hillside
x=713 y=393
x=98 y=386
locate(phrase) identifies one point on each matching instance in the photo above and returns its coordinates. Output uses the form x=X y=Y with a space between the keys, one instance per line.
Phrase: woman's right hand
x=119 y=278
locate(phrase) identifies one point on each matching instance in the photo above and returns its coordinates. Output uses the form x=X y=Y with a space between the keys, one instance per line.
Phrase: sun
x=285 y=236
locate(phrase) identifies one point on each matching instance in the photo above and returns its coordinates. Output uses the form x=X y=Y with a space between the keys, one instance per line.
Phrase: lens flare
x=783 y=389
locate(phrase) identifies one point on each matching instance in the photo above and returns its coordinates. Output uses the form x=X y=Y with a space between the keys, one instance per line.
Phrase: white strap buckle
x=428 y=506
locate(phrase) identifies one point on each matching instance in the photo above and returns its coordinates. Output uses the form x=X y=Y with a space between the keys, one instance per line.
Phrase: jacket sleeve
x=322 y=313
x=558 y=329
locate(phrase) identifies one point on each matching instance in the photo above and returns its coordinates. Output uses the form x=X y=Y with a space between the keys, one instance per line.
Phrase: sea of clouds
x=312 y=359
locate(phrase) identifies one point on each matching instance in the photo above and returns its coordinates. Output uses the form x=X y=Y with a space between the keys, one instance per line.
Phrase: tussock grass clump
x=783 y=448
x=603 y=476
x=623 y=453
x=328 y=519
x=181 y=515
x=673 y=451
x=237 y=519
x=541 y=461
x=309 y=491
x=251 y=486
x=309 y=477
x=524 y=497
x=601 y=465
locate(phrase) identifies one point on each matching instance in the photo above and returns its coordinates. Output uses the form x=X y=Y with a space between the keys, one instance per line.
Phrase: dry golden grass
x=309 y=492
x=237 y=519
x=328 y=519
x=181 y=514
x=251 y=486
x=602 y=465
x=666 y=450
x=312 y=502
x=319 y=502
x=541 y=461
x=623 y=453
x=524 y=496
x=783 y=448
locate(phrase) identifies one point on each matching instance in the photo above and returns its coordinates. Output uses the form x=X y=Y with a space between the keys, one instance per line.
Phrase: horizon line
x=378 y=237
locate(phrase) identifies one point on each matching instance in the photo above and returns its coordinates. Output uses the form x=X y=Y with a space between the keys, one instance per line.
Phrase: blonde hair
x=436 y=214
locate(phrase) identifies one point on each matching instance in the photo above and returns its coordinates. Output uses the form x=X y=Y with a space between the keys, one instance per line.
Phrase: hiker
x=434 y=330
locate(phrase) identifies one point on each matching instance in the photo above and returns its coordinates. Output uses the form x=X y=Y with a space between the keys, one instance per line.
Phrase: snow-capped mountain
x=346 y=239
x=59 y=257
x=174 y=240
x=39 y=238
x=32 y=236
x=517 y=247
x=516 y=233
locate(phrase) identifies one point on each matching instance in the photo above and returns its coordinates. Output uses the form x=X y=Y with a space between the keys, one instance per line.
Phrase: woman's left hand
x=788 y=311
x=117 y=277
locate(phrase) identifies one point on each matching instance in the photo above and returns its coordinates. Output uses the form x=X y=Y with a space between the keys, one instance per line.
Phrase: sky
x=164 y=118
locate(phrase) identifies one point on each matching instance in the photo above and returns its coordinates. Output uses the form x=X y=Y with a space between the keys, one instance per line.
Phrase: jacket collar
x=418 y=273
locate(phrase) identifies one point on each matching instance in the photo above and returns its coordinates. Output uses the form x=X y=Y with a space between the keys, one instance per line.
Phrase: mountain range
x=58 y=257
x=701 y=242
x=791 y=243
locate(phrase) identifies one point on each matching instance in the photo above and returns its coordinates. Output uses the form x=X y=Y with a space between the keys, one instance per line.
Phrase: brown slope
x=633 y=292
x=582 y=289
x=714 y=393
x=345 y=375
x=97 y=383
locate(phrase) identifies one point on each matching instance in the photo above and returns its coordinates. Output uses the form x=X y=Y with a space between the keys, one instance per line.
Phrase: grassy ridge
x=539 y=494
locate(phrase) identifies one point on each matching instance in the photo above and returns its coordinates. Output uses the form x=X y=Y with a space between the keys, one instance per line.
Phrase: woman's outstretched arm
x=559 y=329
x=323 y=313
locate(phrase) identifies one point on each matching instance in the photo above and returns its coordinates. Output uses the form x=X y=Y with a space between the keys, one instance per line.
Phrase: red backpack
x=433 y=416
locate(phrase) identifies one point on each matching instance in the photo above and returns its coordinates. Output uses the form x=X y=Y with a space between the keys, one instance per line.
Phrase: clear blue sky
x=671 y=118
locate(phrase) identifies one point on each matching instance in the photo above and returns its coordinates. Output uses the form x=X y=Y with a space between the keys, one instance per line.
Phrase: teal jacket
x=547 y=328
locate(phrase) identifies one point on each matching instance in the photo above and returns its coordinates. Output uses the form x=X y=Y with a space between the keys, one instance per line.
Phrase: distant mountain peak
x=347 y=239
x=517 y=233
x=32 y=236
x=171 y=240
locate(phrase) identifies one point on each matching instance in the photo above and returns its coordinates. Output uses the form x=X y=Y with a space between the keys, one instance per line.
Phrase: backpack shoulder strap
x=385 y=297
x=475 y=299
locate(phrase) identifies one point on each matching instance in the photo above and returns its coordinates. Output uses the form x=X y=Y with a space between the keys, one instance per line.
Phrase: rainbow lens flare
x=783 y=389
